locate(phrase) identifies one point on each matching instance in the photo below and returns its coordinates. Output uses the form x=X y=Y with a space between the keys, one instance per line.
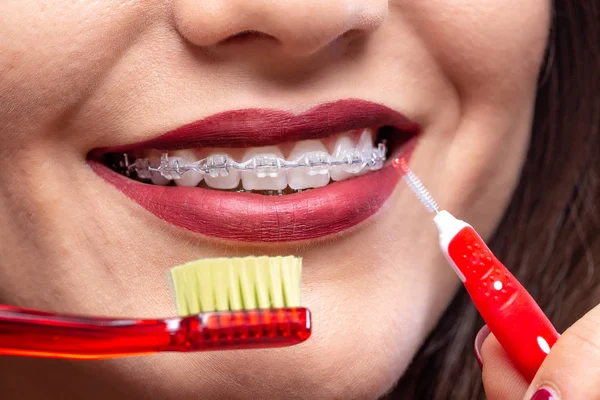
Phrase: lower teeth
x=240 y=189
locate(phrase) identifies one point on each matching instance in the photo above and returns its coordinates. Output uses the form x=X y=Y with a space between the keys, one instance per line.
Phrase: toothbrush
x=510 y=312
x=240 y=303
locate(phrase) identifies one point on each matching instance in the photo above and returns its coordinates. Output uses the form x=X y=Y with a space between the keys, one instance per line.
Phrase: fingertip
x=500 y=378
x=491 y=348
x=483 y=333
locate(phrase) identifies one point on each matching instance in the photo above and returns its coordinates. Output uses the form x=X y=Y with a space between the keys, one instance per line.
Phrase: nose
x=300 y=27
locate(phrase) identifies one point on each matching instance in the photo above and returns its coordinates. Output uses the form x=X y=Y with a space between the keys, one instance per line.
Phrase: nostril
x=248 y=36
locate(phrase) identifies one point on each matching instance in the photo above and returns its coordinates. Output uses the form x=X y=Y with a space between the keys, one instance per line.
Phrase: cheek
x=54 y=53
x=488 y=49
x=489 y=54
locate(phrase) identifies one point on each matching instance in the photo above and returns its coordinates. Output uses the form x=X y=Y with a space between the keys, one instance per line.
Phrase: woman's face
x=82 y=75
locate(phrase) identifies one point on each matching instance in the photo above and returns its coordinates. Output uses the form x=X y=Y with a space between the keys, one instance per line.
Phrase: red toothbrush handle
x=25 y=332
x=508 y=309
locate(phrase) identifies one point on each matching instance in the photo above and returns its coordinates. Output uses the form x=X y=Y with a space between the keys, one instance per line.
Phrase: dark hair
x=550 y=234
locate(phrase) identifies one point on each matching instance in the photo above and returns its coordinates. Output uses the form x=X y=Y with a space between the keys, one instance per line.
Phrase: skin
x=84 y=74
x=570 y=371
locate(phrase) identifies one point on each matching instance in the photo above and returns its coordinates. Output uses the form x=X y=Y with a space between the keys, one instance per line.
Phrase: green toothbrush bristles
x=222 y=284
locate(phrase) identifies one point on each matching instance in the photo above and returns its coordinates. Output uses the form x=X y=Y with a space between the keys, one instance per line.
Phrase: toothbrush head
x=233 y=284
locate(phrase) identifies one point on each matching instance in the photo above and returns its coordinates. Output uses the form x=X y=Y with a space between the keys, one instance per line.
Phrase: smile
x=265 y=175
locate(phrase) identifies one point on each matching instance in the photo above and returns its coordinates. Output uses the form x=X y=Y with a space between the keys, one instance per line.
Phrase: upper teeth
x=309 y=165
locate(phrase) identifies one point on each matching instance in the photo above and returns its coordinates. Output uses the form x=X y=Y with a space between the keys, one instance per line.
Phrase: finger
x=572 y=369
x=500 y=378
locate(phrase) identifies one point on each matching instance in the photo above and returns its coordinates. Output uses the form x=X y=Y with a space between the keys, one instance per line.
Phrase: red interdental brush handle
x=508 y=309
x=26 y=332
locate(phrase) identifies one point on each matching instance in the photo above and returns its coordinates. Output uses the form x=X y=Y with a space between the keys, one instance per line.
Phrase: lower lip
x=251 y=217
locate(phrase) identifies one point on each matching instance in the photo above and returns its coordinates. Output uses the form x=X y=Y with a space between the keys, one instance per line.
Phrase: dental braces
x=264 y=165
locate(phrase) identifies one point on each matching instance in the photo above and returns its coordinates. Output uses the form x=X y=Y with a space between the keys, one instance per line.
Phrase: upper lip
x=263 y=127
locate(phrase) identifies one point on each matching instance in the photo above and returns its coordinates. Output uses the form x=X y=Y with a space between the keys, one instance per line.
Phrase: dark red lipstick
x=253 y=217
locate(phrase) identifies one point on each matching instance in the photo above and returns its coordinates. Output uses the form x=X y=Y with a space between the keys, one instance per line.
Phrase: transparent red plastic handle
x=26 y=332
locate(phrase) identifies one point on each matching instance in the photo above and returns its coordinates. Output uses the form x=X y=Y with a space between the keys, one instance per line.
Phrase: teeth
x=141 y=168
x=221 y=178
x=365 y=140
x=365 y=143
x=264 y=168
x=308 y=151
x=217 y=165
x=265 y=175
x=154 y=161
x=189 y=178
x=342 y=146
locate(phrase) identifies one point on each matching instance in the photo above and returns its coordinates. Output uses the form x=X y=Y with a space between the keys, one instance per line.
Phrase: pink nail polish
x=483 y=333
x=543 y=394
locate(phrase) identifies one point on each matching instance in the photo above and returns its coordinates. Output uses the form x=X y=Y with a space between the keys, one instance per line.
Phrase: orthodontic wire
x=172 y=168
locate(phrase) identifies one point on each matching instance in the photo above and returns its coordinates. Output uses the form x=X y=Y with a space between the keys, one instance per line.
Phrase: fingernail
x=483 y=333
x=543 y=394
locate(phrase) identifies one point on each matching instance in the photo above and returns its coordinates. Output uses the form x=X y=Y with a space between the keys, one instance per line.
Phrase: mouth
x=259 y=175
